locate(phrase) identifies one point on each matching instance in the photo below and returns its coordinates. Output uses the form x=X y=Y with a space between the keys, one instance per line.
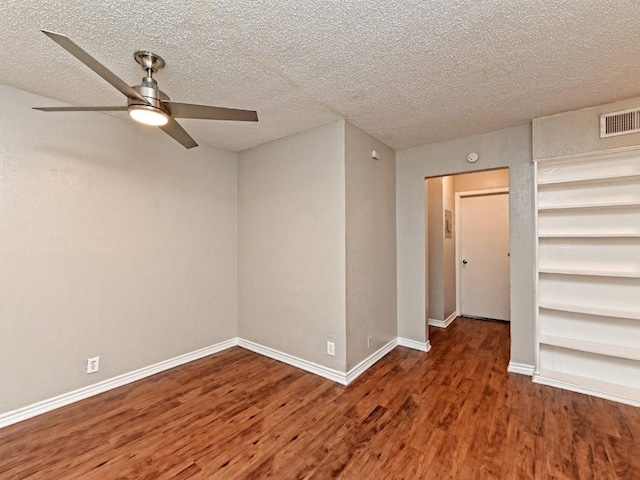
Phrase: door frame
x=458 y=255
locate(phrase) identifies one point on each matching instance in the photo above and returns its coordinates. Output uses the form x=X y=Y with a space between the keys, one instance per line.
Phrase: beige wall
x=115 y=241
x=578 y=131
x=489 y=179
x=370 y=244
x=509 y=147
x=435 y=243
x=291 y=234
x=449 y=250
x=441 y=284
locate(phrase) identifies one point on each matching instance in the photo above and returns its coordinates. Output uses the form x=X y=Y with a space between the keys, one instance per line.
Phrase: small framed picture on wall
x=448 y=224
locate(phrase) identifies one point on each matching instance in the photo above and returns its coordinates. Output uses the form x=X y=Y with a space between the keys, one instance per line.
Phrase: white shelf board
x=591 y=347
x=585 y=206
x=590 y=386
x=589 y=310
x=588 y=272
x=590 y=179
x=589 y=235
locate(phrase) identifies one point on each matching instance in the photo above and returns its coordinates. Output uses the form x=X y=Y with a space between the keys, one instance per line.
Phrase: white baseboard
x=44 y=406
x=443 y=323
x=325 y=372
x=521 y=368
x=342 y=378
x=368 y=362
x=422 y=346
x=321 y=370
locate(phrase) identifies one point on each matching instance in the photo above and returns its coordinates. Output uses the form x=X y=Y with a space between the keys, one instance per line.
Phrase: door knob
x=464 y=262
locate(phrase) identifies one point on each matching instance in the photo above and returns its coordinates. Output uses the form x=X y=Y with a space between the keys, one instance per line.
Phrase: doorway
x=452 y=289
x=482 y=254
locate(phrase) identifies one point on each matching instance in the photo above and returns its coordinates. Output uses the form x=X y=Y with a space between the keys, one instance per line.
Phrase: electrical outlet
x=331 y=348
x=369 y=342
x=93 y=364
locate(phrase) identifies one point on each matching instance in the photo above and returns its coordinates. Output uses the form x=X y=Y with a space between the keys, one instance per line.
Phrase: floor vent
x=620 y=123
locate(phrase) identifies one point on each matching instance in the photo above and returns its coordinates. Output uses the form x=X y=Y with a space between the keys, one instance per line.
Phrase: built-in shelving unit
x=588 y=319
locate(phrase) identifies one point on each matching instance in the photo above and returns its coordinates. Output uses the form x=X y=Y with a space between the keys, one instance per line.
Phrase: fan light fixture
x=146 y=103
x=148 y=115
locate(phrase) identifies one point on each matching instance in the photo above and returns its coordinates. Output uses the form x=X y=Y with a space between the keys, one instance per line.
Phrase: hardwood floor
x=452 y=413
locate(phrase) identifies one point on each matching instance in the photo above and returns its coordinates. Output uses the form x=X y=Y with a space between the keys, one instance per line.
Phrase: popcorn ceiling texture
x=407 y=72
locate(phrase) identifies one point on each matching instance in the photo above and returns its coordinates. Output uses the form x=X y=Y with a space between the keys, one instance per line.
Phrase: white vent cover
x=620 y=123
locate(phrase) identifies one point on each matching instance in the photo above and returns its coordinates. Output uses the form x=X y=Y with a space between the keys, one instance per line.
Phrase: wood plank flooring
x=452 y=413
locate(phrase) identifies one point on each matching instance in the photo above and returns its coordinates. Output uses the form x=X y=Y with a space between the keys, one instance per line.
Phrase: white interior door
x=484 y=249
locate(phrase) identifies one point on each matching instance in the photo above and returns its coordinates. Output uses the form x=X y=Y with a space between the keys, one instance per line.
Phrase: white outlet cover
x=331 y=348
x=93 y=364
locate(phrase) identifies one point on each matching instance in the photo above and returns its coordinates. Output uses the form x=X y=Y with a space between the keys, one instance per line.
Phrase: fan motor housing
x=153 y=95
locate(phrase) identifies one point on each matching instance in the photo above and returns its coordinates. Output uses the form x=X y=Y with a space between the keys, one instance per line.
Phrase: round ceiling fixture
x=148 y=115
x=472 y=157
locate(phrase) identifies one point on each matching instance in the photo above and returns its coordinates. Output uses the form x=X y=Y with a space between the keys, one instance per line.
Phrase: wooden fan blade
x=81 y=109
x=94 y=65
x=179 y=134
x=204 y=112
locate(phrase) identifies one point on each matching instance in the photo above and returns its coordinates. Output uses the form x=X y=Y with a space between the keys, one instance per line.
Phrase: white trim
x=321 y=370
x=458 y=237
x=45 y=406
x=483 y=193
x=422 y=346
x=612 y=152
x=551 y=382
x=342 y=378
x=536 y=272
x=368 y=362
x=443 y=323
x=330 y=373
x=520 y=368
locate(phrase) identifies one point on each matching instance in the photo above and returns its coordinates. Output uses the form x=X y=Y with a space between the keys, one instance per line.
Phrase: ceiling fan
x=146 y=103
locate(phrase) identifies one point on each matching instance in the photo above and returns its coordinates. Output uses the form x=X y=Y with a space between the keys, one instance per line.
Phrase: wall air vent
x=620 y=123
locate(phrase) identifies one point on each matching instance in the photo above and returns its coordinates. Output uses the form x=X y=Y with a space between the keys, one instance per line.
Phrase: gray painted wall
x=115 y=241
x=509 y=147
x=370 y=244
x=578 y=131
x=291 y=234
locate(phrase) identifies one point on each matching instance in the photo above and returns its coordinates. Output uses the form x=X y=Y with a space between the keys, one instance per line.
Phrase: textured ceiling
x=407 y=72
